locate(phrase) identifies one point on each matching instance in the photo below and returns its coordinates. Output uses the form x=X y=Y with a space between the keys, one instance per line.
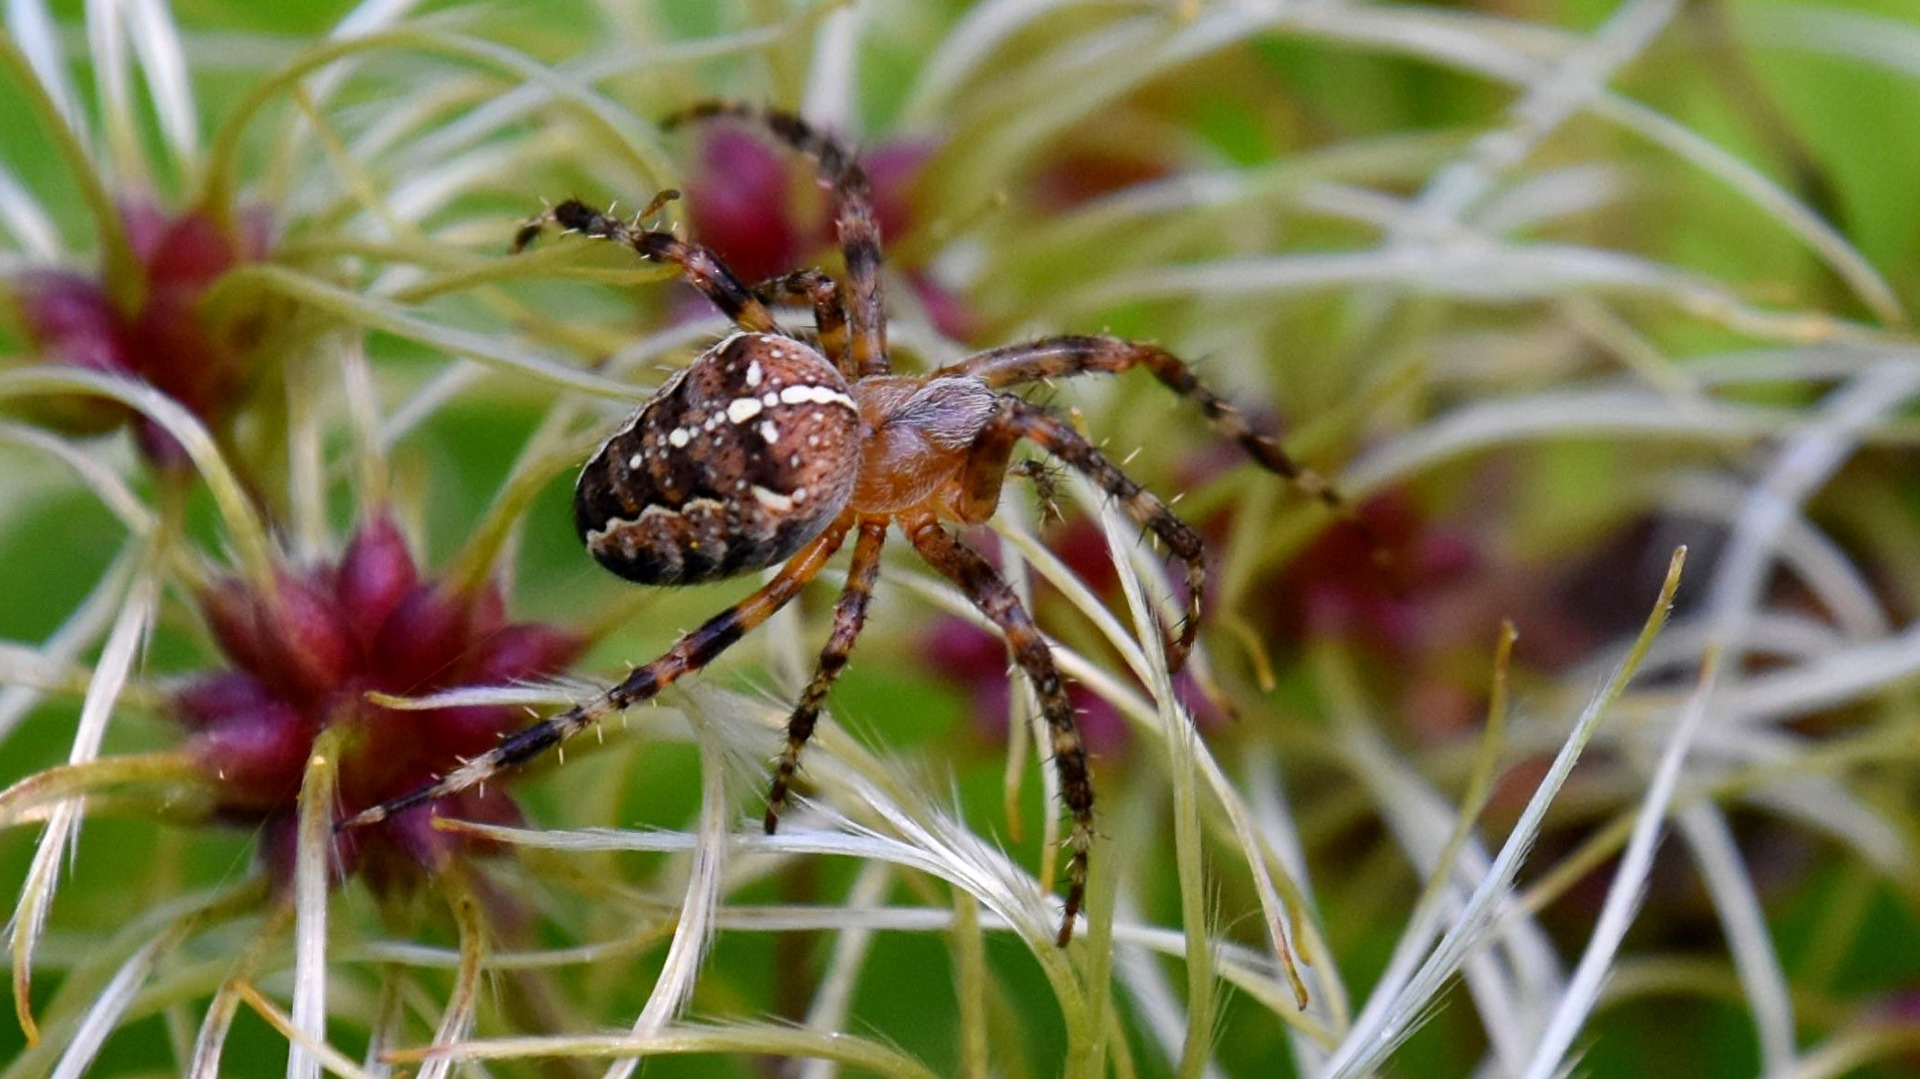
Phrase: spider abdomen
x=733 y=465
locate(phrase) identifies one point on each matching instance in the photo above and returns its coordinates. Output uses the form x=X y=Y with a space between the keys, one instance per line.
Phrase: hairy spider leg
x=1066 y=356
x=849 y=616
x=1054 y=435
x=991 y=595
x=820 y=291
x=689 y=654
x=701 y=267
x=855 y=225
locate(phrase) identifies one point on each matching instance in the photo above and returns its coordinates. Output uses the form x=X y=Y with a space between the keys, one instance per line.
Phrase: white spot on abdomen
x=743 y=409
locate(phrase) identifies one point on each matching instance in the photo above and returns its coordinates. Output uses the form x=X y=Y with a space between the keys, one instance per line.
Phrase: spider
x=774 y=447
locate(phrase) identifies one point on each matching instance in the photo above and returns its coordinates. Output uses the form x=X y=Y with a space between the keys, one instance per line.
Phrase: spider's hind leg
x=689 y=654
x=849 y=616
x=991 y=595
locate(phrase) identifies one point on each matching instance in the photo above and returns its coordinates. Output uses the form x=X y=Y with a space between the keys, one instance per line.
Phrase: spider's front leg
x=856 y=226
x=688 y=654
x=991 y=594
x=1064 y=357
x=701 y=267
x=1015 y=419
x=849 y=616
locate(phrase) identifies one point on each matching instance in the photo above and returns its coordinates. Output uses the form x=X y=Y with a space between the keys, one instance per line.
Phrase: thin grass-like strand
x=830 y=99
x=32 y=26
x=693 y=934
x=1803 y=464
x=1858 y=37
x=375 y=314
x=865 y=1054
x=83 y=626
x=217 y=1021
x=500 y=111
x=965 y=47
x=325 y=1055
x=1557 y=415
x=619 y=133
x=1179 y=743
x=117 y=658
x=96 y=476
x=833 y=998
x=1447 y=38
x=1380 y=1030
x=119 y=270
x=244 y=528
x=1274 y=892
x=1623 y=897
x=32 y=226
x=1562 y=90
x=312 y=872
x=1437 y=839
x=1466 y=271
x=457 y=1021
x=1704 y=828
x=1155 y=1008
x=111 y=1003
x=156 y=40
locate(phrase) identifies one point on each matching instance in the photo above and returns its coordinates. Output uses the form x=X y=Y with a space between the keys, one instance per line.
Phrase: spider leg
x=1063 y=357
x=991 y=595
x=701 y=267
x=688 y=654
x=849 y=616
x=1027 y=420
x=854 y=222
x=821 y=292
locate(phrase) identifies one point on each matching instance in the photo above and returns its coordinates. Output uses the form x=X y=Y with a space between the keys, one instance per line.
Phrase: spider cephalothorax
x=771 y=448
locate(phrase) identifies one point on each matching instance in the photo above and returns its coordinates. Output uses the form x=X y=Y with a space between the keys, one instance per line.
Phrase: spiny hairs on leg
x=1070 y=355
x=855 y=225
x=701 y=267
x=518 y=748
x=1063 y=443
x=834 y=159
x=849 y=616
x=690 y=653
x=992 y=597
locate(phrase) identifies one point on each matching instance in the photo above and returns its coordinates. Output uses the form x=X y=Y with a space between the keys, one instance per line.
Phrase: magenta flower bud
x=190 y=252
x=892 y=171
x=232 y=613
x=375 y=574
x=310 y=649
x=219 y=698
x=523 y=651
x=452 y=734
x=413 y=831
x=279 y=842
x=258 y=758
x=741 y=205
x=422 y=640
x=72 y=323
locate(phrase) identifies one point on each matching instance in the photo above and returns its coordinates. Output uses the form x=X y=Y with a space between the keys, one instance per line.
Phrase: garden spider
x=774 y=448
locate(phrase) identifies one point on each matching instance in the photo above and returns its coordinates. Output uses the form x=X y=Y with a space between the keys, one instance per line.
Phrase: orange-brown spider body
x=773 y=447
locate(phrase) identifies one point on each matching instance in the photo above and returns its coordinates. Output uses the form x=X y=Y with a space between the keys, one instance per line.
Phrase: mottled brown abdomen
x=734 y=465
